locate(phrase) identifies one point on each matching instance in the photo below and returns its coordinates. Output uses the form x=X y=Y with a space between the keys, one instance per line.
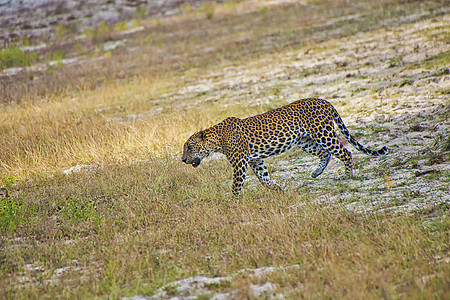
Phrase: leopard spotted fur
x=306 y=123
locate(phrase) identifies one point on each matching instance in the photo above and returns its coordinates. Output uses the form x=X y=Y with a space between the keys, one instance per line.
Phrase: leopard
x=306 y=123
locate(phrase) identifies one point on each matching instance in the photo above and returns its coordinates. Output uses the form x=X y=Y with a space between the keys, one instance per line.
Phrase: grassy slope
x=142 y=219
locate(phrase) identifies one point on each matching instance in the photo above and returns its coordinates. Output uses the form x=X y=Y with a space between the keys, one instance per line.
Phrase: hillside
x=96 y=203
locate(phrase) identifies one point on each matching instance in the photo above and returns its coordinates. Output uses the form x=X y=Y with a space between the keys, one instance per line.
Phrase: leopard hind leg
x=310 y=146
x=331 y=144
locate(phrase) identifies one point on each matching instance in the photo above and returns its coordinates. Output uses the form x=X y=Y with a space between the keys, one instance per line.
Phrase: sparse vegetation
x=438 y=61
x=208 y=9
x=58 y=55
x=121 y=26
x=446 y=144
x=60 y=30
x=138 y=219
x=141 y=12
x=102 y=30
x=16 y=57
x=11 y=212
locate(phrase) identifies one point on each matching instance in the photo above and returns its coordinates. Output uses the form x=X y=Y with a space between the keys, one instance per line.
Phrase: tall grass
x=132 y=229
x=97 y=127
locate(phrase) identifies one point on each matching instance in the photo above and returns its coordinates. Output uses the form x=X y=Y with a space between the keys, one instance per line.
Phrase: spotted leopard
x=307 y=124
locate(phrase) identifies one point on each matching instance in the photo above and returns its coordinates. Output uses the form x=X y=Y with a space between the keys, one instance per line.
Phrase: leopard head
x=197 y=147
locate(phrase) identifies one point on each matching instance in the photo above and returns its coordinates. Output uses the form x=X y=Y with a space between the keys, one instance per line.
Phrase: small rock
x=260 y=290
x=78 y=168
x=137 y=297
x=110 y=46
x=60 y=271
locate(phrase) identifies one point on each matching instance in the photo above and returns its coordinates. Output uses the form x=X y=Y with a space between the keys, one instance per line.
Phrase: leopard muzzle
x=196 y=162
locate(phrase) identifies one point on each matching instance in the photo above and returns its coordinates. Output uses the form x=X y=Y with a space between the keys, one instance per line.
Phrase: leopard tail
x=351 y=139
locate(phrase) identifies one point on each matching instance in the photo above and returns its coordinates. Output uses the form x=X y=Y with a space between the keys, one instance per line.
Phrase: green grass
x=11 y=212
x=58 y=55
x=121 y=26
x=446 y=144
x=440 y=60
x=141 y=12
x=60 y=31
x=16 y=57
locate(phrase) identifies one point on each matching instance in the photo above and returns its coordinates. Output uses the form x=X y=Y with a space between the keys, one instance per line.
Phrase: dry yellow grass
x=80 y=129
x=101 y=125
